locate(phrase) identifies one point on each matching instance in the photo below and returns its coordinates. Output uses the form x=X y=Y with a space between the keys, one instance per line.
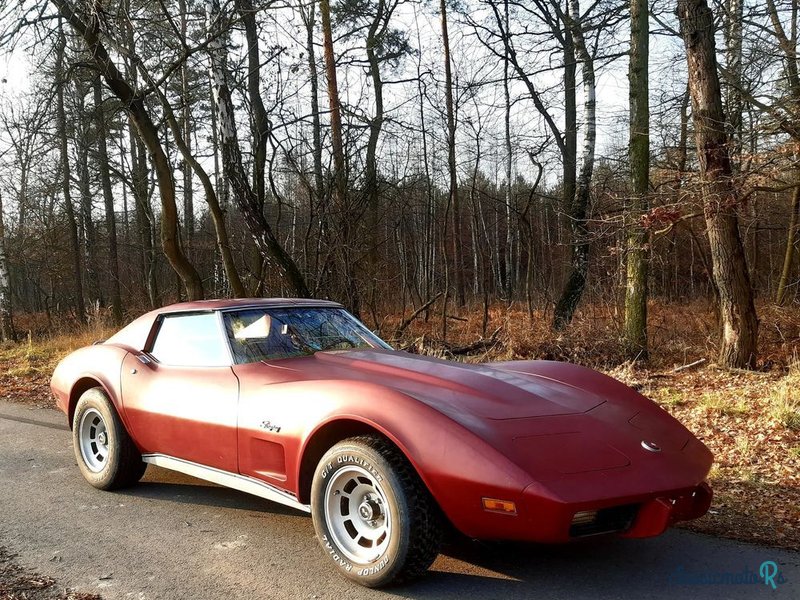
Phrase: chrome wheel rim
x=93 y=440
x=357 y=514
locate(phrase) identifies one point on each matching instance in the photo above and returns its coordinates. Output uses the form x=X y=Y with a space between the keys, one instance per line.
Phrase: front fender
x=458 y=467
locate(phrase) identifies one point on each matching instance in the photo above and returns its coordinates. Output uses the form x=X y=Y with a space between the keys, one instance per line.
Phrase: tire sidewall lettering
x=376 y=568
x=332 y=551
x=350 y=459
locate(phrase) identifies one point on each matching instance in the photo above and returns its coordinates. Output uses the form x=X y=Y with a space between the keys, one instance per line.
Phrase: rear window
x=191 y=340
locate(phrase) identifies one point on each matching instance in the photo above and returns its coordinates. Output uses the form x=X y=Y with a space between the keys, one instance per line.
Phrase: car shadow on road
x=175 y=487
x=595 y=568
x=669 y=566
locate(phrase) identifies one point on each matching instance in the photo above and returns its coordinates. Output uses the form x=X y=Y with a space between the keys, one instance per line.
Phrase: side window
x=191 y=340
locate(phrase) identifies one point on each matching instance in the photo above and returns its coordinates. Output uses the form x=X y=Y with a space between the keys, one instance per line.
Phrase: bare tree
x=579 y=207
x=738 y=321
x=455 y=204
x=341 y=202
x=108 y=201
x=635 y=325
x=243 y=194
x=148 y=132
x=7 y=332
x=72 y=222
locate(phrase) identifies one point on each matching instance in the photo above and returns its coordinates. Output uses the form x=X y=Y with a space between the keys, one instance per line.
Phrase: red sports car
x=298 y=402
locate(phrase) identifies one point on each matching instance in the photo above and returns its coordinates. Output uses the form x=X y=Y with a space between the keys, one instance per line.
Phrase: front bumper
x=549 y=520
x=655 y=515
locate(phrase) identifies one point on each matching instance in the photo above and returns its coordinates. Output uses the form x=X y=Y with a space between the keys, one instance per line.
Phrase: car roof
x=135 y=334
x=223 y=304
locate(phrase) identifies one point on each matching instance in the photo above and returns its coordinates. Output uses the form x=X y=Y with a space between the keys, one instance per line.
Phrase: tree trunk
x=72 y=224
x=458 y=264
x=791 y=240
x=246 y=199
x=7 y=332
x=340 y=199
x=259 y=123
x=636 y=292
x=145 y=219
x=108 y=201
x=578 y=211
x=738 y=320
x=375 y=125
x=186 y=122
x=317 y=201
x=83 y=126
x=508 y=269
x=143 y=211
x=734 y=16
x=319 y=181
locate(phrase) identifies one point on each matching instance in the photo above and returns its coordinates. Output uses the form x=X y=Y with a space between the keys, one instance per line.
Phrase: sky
x=14 y=73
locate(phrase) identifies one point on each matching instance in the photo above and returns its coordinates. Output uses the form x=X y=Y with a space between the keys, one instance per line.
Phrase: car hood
x=594 y=423
x=481 y=390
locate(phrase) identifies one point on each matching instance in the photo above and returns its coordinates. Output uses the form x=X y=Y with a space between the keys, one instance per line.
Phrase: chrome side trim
x=223 y=478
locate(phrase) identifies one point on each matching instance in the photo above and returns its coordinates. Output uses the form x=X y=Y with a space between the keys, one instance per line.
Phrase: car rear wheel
x=107 y=457
x=373 y=515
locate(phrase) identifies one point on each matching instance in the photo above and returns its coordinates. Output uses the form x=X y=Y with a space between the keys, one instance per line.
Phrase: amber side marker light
x=501 y=506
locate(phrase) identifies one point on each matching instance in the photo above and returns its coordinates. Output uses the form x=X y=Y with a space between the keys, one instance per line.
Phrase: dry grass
x=785 y=400
x=26 y=367
x=756 y=478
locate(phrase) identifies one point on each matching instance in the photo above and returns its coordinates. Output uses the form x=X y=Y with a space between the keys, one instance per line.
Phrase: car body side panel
x=183 y=412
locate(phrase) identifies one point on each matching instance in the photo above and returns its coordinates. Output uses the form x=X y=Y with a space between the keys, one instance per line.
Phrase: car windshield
x=258 y=334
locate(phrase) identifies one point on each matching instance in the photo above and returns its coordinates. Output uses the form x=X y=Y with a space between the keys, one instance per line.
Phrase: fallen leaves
x=17 y=583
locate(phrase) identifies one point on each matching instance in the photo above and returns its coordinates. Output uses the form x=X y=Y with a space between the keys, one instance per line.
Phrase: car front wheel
x=107 y=457
x=373 y=515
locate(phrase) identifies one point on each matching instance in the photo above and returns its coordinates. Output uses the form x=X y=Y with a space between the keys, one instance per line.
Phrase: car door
x=180 y=394
x=269 y=426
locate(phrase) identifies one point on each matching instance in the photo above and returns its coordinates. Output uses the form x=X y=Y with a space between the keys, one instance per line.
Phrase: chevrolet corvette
x=299 y=403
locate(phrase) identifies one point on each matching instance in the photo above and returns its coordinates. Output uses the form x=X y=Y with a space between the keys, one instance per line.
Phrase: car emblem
x=650 y=446
x=270 y=427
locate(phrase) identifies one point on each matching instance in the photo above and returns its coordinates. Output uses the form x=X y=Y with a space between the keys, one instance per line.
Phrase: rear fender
x=71 y=378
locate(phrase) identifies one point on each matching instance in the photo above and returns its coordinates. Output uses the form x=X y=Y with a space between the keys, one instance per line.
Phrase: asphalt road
x=176 y=537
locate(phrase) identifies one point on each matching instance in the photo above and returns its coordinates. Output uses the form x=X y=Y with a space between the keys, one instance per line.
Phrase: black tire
x=413 y=537
x=111 y=465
